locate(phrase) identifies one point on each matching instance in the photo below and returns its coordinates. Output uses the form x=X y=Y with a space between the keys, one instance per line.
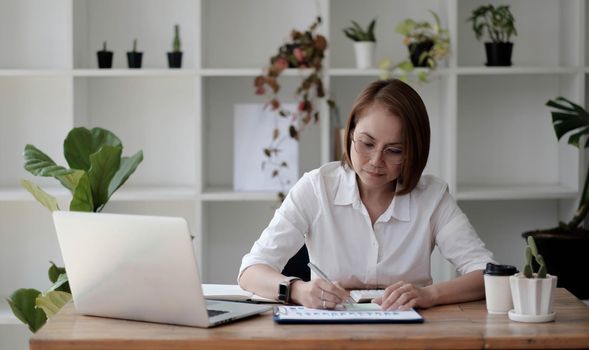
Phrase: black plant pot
x=134 y=59
x=565 y=254
x=104 y=59
x=175 y=59
x=499 y=54
x=416 y=50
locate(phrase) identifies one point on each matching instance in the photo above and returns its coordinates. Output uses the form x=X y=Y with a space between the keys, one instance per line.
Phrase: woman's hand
x=318 y=294
x=403 y=296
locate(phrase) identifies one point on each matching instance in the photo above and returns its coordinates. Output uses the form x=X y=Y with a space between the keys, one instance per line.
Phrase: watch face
x=283 y=291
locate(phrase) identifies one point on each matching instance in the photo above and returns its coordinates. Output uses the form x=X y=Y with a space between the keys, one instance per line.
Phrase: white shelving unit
x=492 y=139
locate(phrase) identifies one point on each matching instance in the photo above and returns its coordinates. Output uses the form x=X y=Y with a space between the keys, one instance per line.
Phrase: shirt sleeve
x=285 y=234
x=457 y=239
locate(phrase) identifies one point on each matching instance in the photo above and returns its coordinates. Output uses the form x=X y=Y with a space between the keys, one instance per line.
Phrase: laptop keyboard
x=216 y=312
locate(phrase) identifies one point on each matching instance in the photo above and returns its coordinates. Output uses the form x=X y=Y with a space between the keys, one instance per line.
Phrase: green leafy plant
x=415 y=34
x=532 y=252
x=567 y=118
x=497 y=22
x=305 y=51
x=176 y=42
x=357 y=33
x=96 y=170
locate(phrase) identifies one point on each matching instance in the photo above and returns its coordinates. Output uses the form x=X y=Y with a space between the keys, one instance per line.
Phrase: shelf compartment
x=264 y=25
x=517 y=70
x=44 y=123
x=230 y=231
x=389 y=43
x=220 y=94
x=28 y=44
x=156 y=115
x=553 y=43
x=119 y=23
x=507 y=139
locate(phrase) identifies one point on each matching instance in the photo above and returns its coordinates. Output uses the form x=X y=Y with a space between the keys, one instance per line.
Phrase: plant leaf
x=40 y=164
x=54 y=272
x=52 y=302
x=70 y=181
x=104 y=164
x=128 y=166
x=22 y=304
x=47 y=200
x=82 y=200
x=60 y=285
x=81 y=143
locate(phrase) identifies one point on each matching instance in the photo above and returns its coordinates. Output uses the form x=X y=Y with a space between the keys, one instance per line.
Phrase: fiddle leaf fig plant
x=96 y=170
x=570 y=118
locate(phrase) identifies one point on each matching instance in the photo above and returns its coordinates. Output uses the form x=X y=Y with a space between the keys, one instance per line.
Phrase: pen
x=324 y=277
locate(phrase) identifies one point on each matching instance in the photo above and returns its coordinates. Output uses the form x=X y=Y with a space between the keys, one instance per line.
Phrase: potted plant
x=104 y=57
x=175 y=57
x=532 y=292
x=134 y=57
x=364 y=43
x=499 y=24
x=427 y=43
x=306 y=52
x=97 y=170
x=564 y=247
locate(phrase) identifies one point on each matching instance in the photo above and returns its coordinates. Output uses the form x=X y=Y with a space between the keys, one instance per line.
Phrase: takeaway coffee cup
x=497 y=289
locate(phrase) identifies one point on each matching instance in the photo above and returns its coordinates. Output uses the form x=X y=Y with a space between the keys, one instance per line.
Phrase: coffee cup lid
x=500 y=270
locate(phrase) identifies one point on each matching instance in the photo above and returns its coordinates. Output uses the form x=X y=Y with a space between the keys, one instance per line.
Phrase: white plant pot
x=364 y=54
x=532 y=297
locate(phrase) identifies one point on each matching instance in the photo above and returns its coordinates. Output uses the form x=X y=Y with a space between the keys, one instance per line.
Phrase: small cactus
x=176 y=42
x=532 y=251
x=134 y=45
x=104 y=46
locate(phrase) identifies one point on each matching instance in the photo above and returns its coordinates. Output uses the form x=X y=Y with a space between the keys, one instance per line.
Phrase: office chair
x=297 y=265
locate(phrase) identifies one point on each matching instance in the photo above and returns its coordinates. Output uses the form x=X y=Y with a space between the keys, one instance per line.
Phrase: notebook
x=355 y=313
x=138 y=268
x=232 y=292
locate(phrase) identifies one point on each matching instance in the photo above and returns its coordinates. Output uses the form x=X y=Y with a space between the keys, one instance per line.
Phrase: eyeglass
x=391 y=154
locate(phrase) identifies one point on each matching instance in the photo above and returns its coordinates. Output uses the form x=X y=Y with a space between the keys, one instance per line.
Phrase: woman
x=372 y=220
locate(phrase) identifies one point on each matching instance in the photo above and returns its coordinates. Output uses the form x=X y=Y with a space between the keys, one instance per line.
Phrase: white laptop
x=138 y=268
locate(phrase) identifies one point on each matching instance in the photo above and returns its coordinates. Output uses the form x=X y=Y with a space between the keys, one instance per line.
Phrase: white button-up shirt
x=324 y=211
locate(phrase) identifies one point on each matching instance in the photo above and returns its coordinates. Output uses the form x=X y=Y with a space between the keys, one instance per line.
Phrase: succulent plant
x=532 y=251
x=357 y=33
x=176 y=43
x=134 y=45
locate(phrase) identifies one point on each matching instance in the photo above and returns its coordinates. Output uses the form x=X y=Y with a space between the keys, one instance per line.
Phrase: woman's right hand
x=318 y=294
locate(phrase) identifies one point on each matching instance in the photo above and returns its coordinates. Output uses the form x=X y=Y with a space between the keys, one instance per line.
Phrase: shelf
x=227 y=195
x=516 y=70
x=143 y=72
x=498 y=192
x=132 y=193
x=34 y=72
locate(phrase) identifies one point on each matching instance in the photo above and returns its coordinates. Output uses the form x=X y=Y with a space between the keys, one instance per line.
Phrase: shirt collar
x=347 y=193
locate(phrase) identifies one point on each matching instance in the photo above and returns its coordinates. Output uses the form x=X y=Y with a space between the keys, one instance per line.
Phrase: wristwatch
x=284 y=289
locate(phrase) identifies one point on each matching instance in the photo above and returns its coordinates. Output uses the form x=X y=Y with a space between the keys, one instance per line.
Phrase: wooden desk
x=460 y=326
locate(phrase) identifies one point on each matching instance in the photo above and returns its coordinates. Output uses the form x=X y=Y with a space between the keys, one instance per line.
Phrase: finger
x=409 y=305
x=335 y=293
x=402 y=299
x=394 y=292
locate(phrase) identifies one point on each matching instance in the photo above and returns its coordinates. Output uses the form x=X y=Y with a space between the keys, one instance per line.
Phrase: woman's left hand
x=403 y=296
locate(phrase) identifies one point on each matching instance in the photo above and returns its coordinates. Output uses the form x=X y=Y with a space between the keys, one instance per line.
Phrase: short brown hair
x=403 y=101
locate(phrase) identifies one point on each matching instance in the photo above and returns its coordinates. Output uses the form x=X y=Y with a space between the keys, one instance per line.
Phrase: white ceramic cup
x=497 y=288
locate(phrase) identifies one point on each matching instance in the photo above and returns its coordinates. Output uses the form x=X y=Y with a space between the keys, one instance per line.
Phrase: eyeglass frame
x=371 y=153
